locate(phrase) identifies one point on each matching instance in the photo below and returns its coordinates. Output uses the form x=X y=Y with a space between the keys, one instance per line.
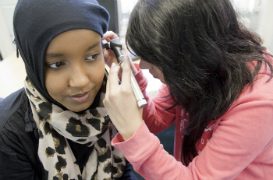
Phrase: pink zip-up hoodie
x=239 y=145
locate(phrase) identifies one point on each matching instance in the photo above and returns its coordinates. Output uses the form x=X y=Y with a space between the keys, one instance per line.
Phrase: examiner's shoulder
x=13 y=110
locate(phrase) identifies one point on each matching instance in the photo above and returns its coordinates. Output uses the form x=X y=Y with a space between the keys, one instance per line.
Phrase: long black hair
x=202 y=50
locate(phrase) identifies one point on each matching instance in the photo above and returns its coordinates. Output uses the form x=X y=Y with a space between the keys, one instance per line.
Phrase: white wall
x=258 y=16
x=265 y=27
x=6 y=28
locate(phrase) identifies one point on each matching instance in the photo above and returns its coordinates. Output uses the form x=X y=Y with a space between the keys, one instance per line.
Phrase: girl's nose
x=78 y=77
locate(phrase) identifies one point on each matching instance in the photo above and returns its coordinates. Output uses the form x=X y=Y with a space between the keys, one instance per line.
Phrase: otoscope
x=116 y=46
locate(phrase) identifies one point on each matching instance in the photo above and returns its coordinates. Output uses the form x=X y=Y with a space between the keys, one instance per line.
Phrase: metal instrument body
x=116 y=46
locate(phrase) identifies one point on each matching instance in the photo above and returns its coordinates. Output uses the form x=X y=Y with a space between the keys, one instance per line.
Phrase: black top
x=19 y=143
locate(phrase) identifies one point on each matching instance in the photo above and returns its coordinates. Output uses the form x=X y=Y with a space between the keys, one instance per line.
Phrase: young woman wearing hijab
x=56 y=127
x=217 y=90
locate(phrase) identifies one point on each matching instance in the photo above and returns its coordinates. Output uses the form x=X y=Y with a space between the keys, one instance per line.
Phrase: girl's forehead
x=74 y=39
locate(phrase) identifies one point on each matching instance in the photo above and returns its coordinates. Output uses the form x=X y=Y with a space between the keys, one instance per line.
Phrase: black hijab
x=37 y=22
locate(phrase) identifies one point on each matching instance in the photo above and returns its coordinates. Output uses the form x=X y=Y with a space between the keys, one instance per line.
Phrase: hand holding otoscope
x=116 y=46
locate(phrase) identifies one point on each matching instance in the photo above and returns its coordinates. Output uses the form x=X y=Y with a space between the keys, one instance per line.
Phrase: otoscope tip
x=106 y=45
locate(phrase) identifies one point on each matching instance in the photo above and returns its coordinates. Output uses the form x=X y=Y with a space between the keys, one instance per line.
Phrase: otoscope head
x=116 y=46
x=115 y=43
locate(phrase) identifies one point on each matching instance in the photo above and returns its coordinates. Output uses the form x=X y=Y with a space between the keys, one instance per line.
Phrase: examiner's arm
x=242 y=136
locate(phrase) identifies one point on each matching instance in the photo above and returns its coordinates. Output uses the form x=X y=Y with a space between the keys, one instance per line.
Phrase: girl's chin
x=79 y=107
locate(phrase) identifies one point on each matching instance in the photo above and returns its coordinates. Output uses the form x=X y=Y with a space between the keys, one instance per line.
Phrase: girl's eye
x=56 y=65
x=92 y=57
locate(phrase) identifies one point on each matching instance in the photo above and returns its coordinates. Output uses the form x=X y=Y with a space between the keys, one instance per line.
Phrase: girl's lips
x=81 y=98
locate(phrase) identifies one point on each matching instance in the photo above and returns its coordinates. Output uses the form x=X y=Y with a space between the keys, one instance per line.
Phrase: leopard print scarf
x=92 y=128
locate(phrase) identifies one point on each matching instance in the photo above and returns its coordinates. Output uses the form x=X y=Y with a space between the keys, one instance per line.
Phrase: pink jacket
x=239 y=145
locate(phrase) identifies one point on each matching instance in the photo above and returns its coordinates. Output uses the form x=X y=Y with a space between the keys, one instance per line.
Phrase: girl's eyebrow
x=54 y=55
x=94 y=45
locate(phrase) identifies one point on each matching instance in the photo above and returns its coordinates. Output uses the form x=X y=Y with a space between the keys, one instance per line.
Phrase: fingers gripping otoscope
x=116 y=46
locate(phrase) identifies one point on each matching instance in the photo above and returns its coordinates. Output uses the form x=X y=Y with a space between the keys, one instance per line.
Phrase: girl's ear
x=106 y=70
x=103 y=86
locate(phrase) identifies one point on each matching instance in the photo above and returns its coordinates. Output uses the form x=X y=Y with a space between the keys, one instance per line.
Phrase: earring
x=68 y=85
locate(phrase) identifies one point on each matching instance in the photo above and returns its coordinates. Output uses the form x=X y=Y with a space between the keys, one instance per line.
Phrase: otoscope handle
x=141 y=101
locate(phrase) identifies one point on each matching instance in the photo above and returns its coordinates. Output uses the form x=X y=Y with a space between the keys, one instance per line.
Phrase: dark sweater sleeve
x=14 y=162
x=18 y=148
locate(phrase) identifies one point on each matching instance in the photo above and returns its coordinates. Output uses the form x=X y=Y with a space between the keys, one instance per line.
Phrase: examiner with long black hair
x=217 y=90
